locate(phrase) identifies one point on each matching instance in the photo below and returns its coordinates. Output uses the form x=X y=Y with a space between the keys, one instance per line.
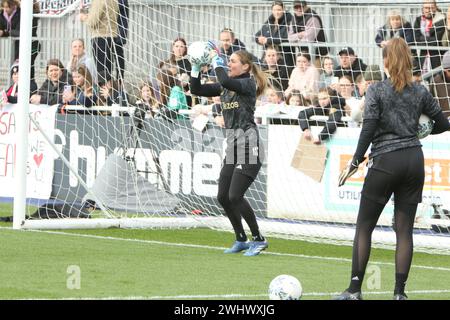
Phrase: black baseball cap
x=300 y=4
x=347 y=50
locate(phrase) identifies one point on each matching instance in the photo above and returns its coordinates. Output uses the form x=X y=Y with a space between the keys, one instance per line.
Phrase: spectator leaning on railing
x=428 y=31
x=274 y=32
x=396 y=27
x=440 y=85
x=307 y=27
x=51 y=91
x=13 y=90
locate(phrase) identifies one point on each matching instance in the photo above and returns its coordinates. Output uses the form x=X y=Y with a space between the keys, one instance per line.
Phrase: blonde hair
x=398 y=62
x=260 y=77
x=394 y=13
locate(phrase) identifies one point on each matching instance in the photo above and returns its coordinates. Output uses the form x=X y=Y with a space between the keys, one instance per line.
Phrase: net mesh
x=137 y=144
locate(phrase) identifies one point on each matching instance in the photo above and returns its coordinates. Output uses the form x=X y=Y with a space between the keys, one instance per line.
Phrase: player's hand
x=348 y=171
x=217 y=61
x=307 y=134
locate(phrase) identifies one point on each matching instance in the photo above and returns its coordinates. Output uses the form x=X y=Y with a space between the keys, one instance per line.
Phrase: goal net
x=117 y=139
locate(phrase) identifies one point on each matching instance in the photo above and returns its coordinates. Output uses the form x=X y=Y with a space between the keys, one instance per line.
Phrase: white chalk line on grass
x=198 y=246
x=243 y=296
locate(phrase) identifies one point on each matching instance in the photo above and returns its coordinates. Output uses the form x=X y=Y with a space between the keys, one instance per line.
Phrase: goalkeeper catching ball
x=238 y=89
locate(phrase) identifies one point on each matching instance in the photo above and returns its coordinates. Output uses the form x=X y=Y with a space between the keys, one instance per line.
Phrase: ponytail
x=260 y=77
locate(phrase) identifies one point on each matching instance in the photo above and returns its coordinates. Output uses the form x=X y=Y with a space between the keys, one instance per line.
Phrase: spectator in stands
x=330 y=105
x=173 y=98
x=147 y=106
x=180 y=65
x=346 y=89
x=52 y=89
x=396 y=27
x=440 y=85
x=307 y=27
x=229 y=43
x=121 y=39
x=274 y=96
x=82 y=93
x=275 y=68
x=369 y=77
x=10 y=27
x=79 y=57
x=295 y=98
x=12 y=92
x=102 y=22
x=445 y=42
x=178 y=57
x=305 y=77
x=359 y=86
x=327 y=77
x=417 y=74
x=428 y=31
x=274 y=32
x=349 y=64
x=111 y=92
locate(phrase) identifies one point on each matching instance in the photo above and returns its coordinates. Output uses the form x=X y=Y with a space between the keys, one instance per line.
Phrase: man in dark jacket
x=349 y=64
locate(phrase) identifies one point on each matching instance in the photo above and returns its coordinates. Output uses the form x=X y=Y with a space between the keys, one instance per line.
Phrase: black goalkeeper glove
x=348 y=171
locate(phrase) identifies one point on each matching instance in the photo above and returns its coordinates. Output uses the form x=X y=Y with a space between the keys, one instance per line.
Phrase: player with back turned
x=238 y=89
x=396 y=163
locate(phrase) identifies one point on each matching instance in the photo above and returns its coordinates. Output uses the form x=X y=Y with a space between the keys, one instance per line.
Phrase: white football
x=425 y=126
x=199 y=53
x=285 y=287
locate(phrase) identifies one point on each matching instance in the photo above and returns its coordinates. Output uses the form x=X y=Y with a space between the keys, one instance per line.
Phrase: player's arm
x=235 y=85
x=369 y=126
x=218 y=64
x=204 y=90
x=432 y=109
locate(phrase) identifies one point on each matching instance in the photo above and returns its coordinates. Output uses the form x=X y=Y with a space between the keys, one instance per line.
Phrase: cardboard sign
x=310 y=158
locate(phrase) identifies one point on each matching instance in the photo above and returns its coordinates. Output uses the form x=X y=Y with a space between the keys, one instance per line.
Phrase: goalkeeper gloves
x=195 y=70
x=348 y=171
x=217 y=61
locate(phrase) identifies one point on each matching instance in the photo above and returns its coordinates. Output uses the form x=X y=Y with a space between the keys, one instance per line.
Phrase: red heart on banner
x=38 y=159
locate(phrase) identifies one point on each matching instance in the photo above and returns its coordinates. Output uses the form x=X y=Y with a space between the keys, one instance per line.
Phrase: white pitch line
x=237 y=295
x=198 y=246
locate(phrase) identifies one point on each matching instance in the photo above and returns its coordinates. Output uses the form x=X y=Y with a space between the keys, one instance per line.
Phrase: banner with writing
x=40 y=154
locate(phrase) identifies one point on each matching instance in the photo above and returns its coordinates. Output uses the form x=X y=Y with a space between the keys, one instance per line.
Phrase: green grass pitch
x=189 y=264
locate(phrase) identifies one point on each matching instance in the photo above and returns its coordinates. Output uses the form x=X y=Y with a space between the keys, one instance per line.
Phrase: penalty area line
x=198 y=246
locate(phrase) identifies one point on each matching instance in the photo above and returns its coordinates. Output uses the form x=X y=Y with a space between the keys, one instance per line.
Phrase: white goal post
x=142 y=168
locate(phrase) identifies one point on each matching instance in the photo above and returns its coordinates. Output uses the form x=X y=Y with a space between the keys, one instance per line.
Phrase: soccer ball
x=285 y=287
x=199 y=53
x=425 y=126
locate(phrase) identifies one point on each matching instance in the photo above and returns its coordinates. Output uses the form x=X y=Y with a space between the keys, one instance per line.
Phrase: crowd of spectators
x=332 y=86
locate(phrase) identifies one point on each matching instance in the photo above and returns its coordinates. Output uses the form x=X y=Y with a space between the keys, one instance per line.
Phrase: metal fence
x=154 y=24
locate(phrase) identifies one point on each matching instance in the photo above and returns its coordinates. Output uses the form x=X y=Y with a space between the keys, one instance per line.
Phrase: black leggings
x=368 y=215
x=233 y=183
x=400 y=173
